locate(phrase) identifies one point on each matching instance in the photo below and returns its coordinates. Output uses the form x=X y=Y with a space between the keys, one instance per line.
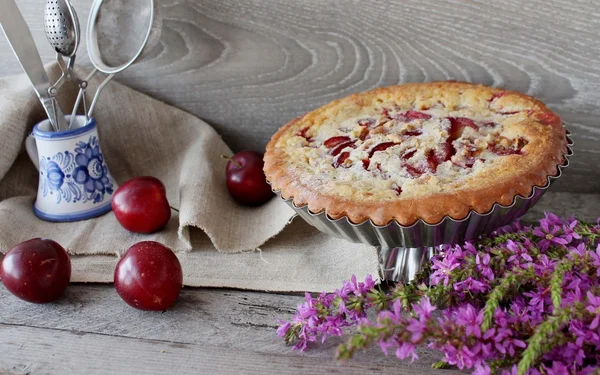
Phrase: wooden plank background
x=249 y=66
x=92 y=331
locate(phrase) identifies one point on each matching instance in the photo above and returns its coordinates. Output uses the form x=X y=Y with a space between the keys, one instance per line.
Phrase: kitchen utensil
x=74 y=180
x=404 y=250
x=21 y=41
x=62 y=27
x=119 y=33
x=63 y=33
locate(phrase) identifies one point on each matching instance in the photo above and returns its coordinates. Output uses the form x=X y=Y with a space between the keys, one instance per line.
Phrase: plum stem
x=229 y=158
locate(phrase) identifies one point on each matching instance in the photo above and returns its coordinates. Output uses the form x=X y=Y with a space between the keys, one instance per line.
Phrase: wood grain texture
x=26 y=350
x=208 y=331
x=247 y=67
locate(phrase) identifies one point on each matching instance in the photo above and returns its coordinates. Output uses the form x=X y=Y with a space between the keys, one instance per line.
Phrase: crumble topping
x=392 y=151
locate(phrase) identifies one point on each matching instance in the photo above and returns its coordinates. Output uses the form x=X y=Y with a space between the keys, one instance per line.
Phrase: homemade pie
x=416 y=151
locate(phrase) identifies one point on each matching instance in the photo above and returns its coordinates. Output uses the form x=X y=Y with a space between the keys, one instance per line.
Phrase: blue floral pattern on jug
x=79 y=176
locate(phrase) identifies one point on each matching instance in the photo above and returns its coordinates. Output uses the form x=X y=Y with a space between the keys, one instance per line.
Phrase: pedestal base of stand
x=401 y=264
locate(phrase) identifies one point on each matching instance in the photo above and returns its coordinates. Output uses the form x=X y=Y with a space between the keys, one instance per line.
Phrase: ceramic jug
x=74 y=180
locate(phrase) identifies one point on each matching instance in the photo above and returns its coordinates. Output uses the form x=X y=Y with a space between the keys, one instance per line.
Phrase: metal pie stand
x=403 y=250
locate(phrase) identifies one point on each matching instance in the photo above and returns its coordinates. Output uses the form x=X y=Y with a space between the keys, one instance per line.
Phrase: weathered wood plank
x=585 y=207
x=250 y=66
x=220 y=326
x=27 y=350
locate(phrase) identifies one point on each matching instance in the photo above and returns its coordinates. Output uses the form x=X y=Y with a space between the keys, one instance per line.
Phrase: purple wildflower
x=416 y=327
x=551 y=233
x=461 y=357
x=595 y=255
x=569 y=229
x=443 y=267
x=483 y=266
x=513 y=371
x=283 y=328
x=594 y=308
x=544 y=265
x=424 y=308
x=557 y=368
x=471 y=285
x=482 y=369
x=405 y=350
x=468 y=317
x=538 y=299
x=574 y=352
x=589 y=370
x=473 y=270
x=357 y=288
x=503 y=230
x=551 y=219
x=469 y=248
x=519 y=252
x=578 y=251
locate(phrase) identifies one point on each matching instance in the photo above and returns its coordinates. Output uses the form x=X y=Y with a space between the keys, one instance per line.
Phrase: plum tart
x=416 y=151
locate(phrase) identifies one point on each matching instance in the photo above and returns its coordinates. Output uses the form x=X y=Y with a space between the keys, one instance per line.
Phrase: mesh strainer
x=119 y=33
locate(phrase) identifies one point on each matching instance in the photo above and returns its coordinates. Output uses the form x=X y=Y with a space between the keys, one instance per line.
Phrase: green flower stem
x=440 y=365
x=503 y=238
x=378 y=297
x=585 y=230
x=508 y=284
x=557 y=278
x=543 y=333
x=367 y=334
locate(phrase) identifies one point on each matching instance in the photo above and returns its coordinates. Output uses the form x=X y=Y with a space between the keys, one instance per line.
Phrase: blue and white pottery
x=74 y=181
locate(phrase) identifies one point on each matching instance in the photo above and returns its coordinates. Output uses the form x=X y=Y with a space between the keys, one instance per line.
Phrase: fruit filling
x=403 y=148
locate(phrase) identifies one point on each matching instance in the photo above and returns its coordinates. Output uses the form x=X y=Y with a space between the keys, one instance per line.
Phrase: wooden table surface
x=249 y=66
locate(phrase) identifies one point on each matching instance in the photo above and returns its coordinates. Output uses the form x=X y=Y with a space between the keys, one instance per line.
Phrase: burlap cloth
x=219 y=243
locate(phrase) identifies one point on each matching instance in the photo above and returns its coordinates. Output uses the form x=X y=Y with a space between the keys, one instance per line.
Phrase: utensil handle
x=81 y=95
x=31 y=147
x=97 y=95
x=55 y=114
x=59 y=82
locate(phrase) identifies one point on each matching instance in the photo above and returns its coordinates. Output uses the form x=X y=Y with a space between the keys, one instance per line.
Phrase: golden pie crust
x=416 y=151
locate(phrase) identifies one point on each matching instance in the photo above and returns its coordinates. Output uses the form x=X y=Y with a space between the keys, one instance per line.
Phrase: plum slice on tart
x=416 y=151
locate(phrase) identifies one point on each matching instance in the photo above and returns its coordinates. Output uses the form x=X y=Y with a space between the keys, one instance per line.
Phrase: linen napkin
x=220 y=243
